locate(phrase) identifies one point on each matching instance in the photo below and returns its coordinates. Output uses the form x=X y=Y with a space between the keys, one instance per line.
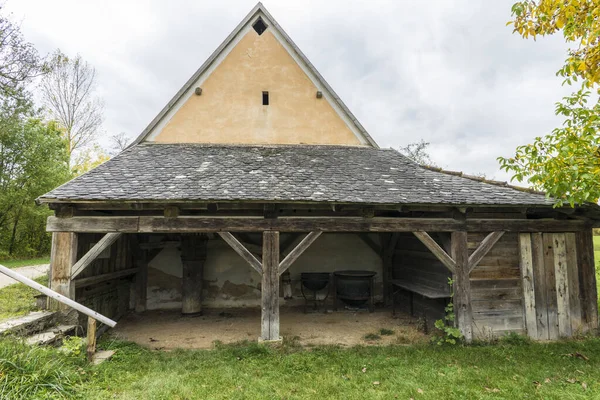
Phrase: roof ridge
x=482 y=179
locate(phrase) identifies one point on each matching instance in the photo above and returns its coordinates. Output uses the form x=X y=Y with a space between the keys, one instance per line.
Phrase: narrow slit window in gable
x=265 y=98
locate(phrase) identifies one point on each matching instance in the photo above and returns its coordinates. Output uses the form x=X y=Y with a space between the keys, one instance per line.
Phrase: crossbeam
x=200 y=224
x=484 y=247
x=298 y=250
x=436 y=250
x=93 y=253
x=242 y=251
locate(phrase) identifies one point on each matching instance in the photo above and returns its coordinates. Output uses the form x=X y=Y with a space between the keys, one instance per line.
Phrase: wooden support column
x=91 y=339
x=62 y=257
x=270 y=286
x=140 y=262
x=462 y=285
x=587 y=278
x=193 y=256
x=387 y=257
x=527 y=280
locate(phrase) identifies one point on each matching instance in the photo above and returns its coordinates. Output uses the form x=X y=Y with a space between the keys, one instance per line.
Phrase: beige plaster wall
x=230 y=282
x=230 y=108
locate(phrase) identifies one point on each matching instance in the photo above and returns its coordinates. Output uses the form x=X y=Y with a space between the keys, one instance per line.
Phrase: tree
x=33 y=160
x=417 y=152
x=19 y=60
x=119 y=142
x=68 y=94
x=566 y=162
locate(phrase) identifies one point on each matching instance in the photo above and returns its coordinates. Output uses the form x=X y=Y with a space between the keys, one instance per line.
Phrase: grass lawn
x=25 y=262
x=18 y=299
x=563 y=370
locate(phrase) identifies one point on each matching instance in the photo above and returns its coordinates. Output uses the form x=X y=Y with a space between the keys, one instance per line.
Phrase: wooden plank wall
x=413 y=262
x=496 y=291
x=557 y=291
x=110 y=298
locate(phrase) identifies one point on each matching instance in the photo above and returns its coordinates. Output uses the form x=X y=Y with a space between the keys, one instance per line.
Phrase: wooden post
x=587 y=278
x=62 y=257
x=140 y=261
x=462 y=285
x=389 y=247
x=562 y=285
x=550 y=275
x=193 y=256
x=526 y=267
x=539 y=285
x=91 y=338
x=270 y=286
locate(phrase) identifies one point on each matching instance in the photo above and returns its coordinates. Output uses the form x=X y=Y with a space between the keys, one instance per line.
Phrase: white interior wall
x=230 y=282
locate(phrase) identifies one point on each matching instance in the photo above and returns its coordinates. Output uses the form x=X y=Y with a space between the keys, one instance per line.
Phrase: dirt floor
x=166 y=330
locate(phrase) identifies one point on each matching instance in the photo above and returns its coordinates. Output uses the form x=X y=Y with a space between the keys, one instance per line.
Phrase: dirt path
x=165 y=330
x=31 y=272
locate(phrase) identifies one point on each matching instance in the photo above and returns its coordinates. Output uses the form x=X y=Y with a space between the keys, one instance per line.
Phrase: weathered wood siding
x=111 y=297
x=496 y=290
x=561 y=285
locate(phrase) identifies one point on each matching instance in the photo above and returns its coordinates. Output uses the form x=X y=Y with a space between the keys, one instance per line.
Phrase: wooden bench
x=413 y=288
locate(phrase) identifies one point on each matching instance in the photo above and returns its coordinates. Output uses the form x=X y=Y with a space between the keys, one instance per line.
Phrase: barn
x=255 y=182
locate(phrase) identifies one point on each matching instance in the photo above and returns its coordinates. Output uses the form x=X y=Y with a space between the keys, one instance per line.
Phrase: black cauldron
x=314 y=281
x=354 y=287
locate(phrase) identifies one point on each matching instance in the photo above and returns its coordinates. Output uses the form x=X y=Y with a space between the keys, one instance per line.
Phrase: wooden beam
x=387 y=261
x=242 y=251
x=298 y=250
x=462 y=285
x=573 y=272
x=91 y=339
x=171 y=212
x=193 y=256
x=93 y=253
x=270 y=287
x=93 y=280
x=436 y=250
x=539 y=286
x=562 y=285
x=63 y=256
x=527 y=279
x=587 y=278
x=484 y=247
x=199 y=224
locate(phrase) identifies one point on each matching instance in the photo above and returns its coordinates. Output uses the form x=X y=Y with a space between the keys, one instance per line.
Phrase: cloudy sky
x=448 y=71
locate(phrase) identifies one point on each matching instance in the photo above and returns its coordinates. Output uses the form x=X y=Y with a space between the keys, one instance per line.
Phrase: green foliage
x=447 y=333
x=386 y=332
x=566 y=162
x=73 y=345
x=33 y=161
x=32 y=373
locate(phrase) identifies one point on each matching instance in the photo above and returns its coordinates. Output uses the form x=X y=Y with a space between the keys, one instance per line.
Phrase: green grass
x=18 y=299
x=25 y=262
x=252 y=371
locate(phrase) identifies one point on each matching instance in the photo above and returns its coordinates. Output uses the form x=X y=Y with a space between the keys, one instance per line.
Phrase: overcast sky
x=449 y=71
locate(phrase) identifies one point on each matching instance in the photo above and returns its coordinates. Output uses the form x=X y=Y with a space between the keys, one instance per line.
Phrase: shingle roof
x=171 y=172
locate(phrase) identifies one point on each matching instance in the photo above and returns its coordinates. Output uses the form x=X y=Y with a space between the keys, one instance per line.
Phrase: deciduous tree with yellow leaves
x=566 y=162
